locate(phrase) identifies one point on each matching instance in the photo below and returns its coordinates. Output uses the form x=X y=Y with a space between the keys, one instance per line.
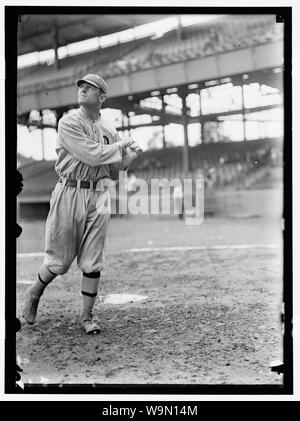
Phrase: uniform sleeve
x=75 y=141
x=119 y=165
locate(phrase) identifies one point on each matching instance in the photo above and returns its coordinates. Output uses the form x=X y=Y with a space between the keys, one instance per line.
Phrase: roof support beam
x=185 y=156
x=55 y=36
x=163 y=104
x=164 y=119
x=139 y=110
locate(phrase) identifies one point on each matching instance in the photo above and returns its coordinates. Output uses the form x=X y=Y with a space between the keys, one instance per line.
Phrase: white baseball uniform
x=75 y=225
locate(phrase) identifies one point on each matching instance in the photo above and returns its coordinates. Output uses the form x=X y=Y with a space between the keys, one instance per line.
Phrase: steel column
x=185 y=157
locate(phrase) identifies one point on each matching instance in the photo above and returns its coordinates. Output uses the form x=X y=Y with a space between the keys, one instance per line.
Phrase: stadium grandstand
x=218 y=81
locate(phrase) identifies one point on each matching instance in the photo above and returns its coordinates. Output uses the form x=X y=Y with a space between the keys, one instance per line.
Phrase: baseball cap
x=94 y=80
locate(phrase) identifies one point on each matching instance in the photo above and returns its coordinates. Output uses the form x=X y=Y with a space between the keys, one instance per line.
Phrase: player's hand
x=128 y=142
x=124 y=143
x=131 y=144
x=135 y=147
x=130 y=154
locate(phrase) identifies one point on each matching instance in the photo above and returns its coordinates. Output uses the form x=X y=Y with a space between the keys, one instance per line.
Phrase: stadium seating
x=220 y=164
x=76 y=65
x=197 y=41
x=39 y=179
x=201 y=42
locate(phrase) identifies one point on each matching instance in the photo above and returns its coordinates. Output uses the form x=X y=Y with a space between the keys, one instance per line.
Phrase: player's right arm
x=71 y=136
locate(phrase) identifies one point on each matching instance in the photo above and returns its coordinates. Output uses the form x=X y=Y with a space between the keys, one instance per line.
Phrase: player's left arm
x=128 y=155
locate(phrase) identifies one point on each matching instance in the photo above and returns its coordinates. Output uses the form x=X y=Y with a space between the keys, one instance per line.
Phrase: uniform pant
x=77 y=225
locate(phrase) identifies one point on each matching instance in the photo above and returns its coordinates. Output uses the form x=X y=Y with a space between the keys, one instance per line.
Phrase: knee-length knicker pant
x=77 y=224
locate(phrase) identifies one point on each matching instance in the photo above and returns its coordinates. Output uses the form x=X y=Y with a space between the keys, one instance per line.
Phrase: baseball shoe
x=31 y=306
x=89 y=326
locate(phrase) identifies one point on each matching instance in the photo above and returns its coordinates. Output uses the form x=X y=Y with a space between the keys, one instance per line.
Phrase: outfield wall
x=262 y=203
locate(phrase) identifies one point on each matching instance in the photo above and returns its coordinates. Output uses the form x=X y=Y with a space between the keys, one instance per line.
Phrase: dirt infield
x=210 y=316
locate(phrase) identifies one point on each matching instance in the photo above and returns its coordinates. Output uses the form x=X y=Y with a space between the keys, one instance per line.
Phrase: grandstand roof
x=36 y=31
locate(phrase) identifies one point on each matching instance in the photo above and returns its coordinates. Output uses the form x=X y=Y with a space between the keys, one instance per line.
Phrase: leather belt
x=82 y=184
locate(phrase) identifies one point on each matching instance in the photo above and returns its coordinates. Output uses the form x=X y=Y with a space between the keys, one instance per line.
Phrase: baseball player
x=88 y=151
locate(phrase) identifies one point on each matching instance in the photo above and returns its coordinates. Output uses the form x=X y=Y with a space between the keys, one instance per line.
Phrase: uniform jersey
x=76 y=225
x=86 y=148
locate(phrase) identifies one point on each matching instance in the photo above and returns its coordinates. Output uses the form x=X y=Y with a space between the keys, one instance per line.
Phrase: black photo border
x=11 y=27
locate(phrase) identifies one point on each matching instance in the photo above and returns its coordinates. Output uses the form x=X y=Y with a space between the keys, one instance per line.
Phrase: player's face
x=89 y=96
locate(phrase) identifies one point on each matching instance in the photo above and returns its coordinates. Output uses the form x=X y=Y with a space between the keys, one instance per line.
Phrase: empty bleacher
x=236 y=164
x=220 y=164
x=76 y=65
x=39 y=180
x=196 y=41
x=199 y=42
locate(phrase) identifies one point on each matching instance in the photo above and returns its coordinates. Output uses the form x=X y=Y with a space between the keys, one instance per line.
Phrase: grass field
x=211 y=316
